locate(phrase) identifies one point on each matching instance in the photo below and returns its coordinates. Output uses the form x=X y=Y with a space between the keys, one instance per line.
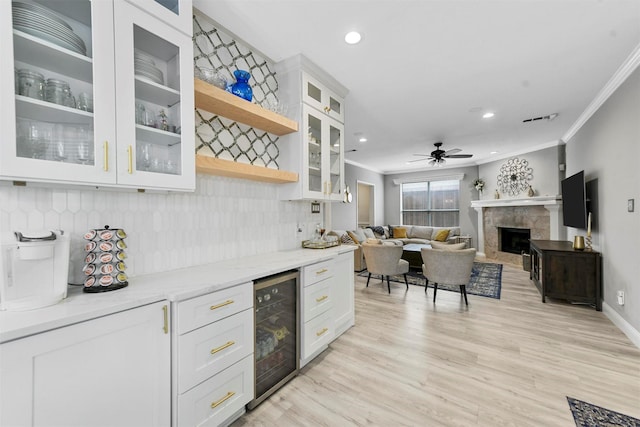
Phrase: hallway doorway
x=366 y=202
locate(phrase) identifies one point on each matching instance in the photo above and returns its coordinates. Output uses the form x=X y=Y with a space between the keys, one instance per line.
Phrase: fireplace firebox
x=514 y=240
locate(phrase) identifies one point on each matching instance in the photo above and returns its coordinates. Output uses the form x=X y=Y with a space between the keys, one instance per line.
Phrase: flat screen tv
x=574 y=201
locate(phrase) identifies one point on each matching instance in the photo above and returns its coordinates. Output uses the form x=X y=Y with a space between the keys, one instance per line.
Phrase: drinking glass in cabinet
x=144 y=157
x=32 y=139
x=85 y=102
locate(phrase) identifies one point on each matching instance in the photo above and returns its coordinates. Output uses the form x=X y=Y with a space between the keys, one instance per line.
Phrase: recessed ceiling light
x=488 y=115
x=362 y=139
x=337 y=144
x=494 y=152
x=353 y=37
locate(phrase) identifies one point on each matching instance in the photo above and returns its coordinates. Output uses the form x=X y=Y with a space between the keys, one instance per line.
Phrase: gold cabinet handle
x=165 y=310
x=319 y=272
x=105 y=161
x=218 y=402
x=322 y=298
x=327 y=109
x=322 y=331
x=130 y=156
x=213 y=307
x=222 y=347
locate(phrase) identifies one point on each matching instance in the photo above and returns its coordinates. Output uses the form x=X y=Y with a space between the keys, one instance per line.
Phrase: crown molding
x=625 y=70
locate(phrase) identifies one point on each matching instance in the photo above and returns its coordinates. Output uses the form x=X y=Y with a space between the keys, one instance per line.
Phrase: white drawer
x=318 y=332
x=208 y=350
x=215 y=400
x=317 y=299
x=200 y=311
x=314 y=273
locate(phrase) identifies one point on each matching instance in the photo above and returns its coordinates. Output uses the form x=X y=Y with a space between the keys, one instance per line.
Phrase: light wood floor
x=409 y=362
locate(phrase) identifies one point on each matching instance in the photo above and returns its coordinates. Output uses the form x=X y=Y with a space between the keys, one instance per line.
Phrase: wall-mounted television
x=574 y=201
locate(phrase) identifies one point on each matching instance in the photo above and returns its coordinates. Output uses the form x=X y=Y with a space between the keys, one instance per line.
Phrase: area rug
x=588 y=415
x=486 y=280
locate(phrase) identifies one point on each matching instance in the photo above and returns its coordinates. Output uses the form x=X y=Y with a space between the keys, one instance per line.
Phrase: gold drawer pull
x=322 y=298
x=213 y=307
x=321 y=332
x=222 y=347
x=324 y=270
x=219 y=402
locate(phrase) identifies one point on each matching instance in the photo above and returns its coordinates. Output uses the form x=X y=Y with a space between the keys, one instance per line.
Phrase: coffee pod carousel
x=105 y=267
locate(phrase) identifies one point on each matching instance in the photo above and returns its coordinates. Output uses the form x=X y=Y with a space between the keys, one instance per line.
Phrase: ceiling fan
x=438 y=156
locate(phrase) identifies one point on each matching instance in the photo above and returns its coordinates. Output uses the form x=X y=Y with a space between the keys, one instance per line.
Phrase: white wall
x=343 y=215
x=546 y=174
x=607 y=148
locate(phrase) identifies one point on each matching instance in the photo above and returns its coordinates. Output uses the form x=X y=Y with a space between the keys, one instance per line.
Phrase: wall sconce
x=315 y=207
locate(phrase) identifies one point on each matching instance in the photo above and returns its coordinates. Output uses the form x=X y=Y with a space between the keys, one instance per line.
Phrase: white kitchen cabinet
x=213 y=364
x=317 y=152
x=317 y=329
x=102 y=145
x=320 y=97
x=343 y=293
x=112 y=370
x=177 y=13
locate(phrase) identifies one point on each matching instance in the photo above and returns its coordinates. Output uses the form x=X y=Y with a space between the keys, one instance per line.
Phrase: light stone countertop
x=176 y=285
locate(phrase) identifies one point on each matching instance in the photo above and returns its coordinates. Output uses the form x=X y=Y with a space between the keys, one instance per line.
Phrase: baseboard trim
x=622 y=324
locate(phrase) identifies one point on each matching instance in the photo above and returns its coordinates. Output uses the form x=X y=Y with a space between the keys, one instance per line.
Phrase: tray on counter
x=310 y=244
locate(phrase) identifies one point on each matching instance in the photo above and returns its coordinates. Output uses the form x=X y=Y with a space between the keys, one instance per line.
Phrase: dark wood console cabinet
x=559 y=271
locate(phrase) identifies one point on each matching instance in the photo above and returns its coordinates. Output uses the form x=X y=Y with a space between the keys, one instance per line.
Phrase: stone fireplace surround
x=542 y=215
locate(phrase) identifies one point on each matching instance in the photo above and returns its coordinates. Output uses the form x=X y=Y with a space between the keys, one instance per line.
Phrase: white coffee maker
x=34 y=268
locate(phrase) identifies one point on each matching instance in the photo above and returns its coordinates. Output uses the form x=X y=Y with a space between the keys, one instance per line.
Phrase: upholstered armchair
x=385 y=260
x=449 y=267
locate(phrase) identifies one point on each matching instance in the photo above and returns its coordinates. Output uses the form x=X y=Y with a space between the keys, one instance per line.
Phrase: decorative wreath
x=514 y=176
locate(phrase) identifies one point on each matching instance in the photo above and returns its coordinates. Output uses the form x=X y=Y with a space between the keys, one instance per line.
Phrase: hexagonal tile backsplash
x=224 y=218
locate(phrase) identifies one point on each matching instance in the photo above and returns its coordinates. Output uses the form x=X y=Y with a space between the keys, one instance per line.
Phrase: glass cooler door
x=276 y=349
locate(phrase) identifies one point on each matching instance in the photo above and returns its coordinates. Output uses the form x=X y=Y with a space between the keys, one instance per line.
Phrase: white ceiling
x=426 y=70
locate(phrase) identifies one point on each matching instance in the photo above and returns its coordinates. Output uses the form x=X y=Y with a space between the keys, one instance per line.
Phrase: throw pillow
x=400 y=233
x=369 y=234
x=441 y=236
x=353 y=237
x=359 y=232
x=390 y=231
x=378 y=231
x=346 y=239
x=448 y=246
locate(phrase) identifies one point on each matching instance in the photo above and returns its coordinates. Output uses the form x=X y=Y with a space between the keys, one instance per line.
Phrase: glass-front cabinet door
x=154 y=84
x=177 y=13
x=324 y=171
x=319 y=96
x=335 y=166
x=57 y=121
x=96 y=92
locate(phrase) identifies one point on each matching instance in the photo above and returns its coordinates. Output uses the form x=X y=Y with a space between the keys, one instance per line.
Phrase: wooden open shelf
x=220 y=167
x=223 y=103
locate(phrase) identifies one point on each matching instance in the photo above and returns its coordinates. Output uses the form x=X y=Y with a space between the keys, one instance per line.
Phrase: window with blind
x=434 y=203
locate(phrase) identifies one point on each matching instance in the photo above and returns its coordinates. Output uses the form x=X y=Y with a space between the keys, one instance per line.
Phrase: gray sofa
x=419 y=234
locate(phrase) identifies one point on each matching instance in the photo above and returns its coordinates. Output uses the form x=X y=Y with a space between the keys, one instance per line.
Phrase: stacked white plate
x=46 y=24
x=145 y=66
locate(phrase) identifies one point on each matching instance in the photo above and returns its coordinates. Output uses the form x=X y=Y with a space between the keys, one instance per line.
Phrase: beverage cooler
x=277 y=341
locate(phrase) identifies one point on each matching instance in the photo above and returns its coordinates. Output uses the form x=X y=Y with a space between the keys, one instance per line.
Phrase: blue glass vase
x=241 y=87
